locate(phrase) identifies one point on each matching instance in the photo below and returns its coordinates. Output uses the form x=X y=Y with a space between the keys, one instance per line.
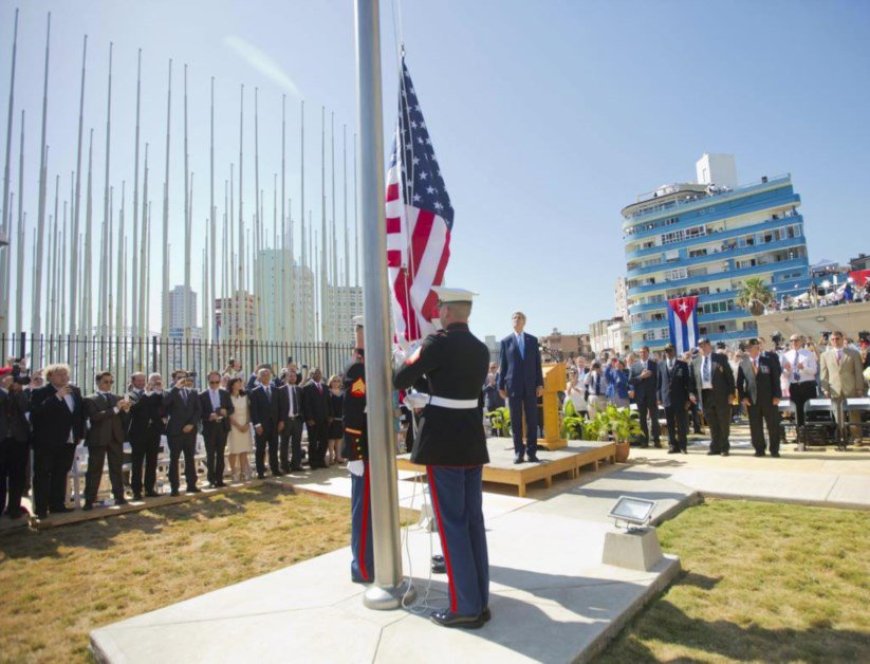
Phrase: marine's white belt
x=458 y=404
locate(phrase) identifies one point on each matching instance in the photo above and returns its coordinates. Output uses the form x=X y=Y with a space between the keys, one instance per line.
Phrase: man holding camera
x=181 y=405
x=14 y=435
x=107 y=414
x=57 y=415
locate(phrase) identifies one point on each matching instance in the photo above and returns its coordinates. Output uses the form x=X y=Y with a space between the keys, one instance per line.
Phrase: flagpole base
x=391 y=597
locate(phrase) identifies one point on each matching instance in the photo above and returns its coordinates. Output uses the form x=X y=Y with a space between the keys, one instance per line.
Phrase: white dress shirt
x=798 y=356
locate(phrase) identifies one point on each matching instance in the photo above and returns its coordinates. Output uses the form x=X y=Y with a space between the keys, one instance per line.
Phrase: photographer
x=14 y=436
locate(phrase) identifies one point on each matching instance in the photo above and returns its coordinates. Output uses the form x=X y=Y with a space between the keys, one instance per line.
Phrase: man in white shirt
x=801 y=367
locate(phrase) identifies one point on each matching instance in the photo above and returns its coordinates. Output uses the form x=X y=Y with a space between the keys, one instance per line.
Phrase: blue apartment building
x=705 y=239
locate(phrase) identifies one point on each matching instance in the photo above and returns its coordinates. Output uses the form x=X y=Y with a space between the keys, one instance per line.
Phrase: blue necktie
x=522 y=345
x=706 y=373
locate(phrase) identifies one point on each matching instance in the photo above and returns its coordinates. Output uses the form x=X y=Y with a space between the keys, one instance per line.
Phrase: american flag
x=419 y=220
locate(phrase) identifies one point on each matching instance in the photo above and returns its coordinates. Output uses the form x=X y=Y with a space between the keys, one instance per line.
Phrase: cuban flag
x=683 y=323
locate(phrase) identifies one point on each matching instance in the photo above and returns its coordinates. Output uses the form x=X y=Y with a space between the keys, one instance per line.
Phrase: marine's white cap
x=450 y=295
x=359 y=321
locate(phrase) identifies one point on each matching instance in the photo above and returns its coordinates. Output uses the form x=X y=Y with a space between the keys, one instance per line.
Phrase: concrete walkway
x=551 y=599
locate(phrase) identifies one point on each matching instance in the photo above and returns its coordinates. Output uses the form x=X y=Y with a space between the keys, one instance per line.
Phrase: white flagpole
x=36 y=293
x=6 y=204
x=164 y=304
x=389 y=588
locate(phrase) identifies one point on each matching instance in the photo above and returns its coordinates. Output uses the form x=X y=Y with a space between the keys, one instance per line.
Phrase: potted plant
x=624 y=425
x=572 y=423
x=754 y=296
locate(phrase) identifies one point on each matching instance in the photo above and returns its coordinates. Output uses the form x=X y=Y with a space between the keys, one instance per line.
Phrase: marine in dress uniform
x=356 y=451
x=452 y=446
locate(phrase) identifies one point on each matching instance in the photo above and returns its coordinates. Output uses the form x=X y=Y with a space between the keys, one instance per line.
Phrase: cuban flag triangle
x=683 y=323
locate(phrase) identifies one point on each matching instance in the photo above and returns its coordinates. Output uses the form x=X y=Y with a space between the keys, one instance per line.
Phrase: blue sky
x=547 y=117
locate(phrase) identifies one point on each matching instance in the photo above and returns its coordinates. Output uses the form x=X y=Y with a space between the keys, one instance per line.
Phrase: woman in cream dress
x=239 y=439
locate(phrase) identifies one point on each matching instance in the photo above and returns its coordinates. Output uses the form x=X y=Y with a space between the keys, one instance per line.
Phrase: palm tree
x=754 y=296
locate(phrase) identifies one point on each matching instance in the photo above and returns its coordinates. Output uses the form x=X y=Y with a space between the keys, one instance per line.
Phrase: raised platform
x=567 y=461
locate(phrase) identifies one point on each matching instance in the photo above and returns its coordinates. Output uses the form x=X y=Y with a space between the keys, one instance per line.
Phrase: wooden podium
x=555 y=380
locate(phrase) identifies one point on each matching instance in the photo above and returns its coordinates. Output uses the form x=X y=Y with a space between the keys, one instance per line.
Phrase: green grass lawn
x=761 y=582
x=57 y=585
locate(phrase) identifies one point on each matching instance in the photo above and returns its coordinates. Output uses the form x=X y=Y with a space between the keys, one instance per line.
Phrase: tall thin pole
x=74 y=254
x=305 y=328
x=144 y=295
x=240 y=311
x=207 y=328
x=387 y=592
x=258 y=219
x=62 y=279
x=333 y=258
x=36 y=294
x=188 y=179
x=51 y=299
x=164 y=305
x=87 y=295
x=285 y=307
x=6 y=219
x=323 y=305
x=356 y=256
x=120 y=286
x=135 y=247
x=107 y=219
x=346 y=227
x=19 y=277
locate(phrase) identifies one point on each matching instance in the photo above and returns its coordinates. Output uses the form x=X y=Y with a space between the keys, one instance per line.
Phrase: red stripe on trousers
x=434 y=492
x=361 y=554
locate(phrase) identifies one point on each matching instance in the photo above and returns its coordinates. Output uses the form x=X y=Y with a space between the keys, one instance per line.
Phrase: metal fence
x=123 y=356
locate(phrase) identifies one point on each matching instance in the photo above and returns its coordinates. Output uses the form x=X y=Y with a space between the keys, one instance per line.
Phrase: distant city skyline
x=547 y=118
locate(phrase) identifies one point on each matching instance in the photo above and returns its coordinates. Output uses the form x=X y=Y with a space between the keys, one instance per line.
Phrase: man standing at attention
x=715 y=385
x=642 y=379
x=759 y=390
x=452 y=446
x=521 y=382
x=841 y=377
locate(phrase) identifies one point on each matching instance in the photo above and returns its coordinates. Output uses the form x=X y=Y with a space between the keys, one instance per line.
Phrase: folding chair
x=820 y=427
x=859 y=405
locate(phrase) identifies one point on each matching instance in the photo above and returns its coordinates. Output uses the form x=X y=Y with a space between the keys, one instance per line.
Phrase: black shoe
x=151 y=494
x=194 y=489
x=486 y=615
x=712 y=453
x=278 y=474
x=296 y=468
x=658 y=444
x=175 y=493
x=42 y=515
x=447 y=619
x=88 y=506
x=285 y=469
x=518 y=459
x=261 y=476
x=725 y=453
x=121 y=501
x=220 y=484
x=775 y=455
x=17 y=514
x=684 y=451
x=534 y=459
x=759 y=454
x=137 y=495
x=62 y=509
x=671 y=450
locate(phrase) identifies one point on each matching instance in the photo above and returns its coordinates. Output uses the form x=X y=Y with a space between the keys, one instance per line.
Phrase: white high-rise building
x=717 y=169
x=345 y=302
x=286 y=299
x=621 y=298
x=181 y=299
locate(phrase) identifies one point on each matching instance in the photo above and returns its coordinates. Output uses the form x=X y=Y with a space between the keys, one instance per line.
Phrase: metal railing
x=123 y=356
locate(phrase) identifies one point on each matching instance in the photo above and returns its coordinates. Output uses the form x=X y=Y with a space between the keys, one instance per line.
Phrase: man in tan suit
x=842 y=378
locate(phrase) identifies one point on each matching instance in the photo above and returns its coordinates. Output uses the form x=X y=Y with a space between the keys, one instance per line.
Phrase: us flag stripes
x=419 y=220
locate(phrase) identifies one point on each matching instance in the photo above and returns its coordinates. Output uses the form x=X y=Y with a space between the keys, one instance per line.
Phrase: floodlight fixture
x=635 y=513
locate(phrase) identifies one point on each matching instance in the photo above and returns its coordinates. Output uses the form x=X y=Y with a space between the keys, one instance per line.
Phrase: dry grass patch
x=59 y=584
x=762 y=582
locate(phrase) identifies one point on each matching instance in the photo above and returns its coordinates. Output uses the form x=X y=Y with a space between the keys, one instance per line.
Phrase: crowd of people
x=724 y=384
x=236 y=415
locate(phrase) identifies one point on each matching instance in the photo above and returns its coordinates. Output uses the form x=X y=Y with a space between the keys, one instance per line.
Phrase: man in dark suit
x=714 y=382
x=14 y=436
x=181 y=405
x=759 y=389
x=521 y=382
x=315 y=409
x=673 y=387
x=106 y=414
x=216 y=407
x=267 y=421
x=290 y=407
x=642 y=379
x=144 y=431
x=57 y=415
